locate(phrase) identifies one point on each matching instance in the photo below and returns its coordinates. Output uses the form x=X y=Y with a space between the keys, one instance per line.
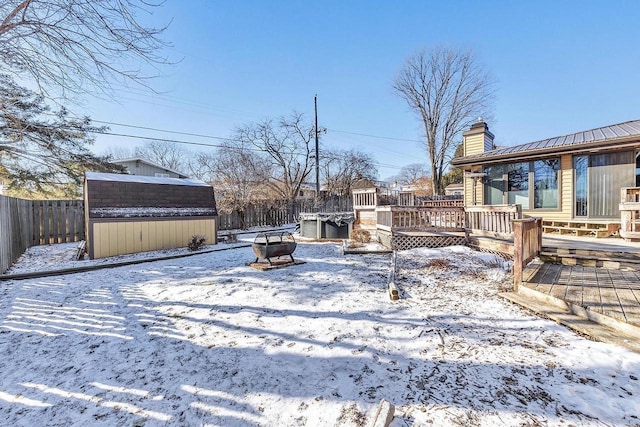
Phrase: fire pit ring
x=274 y=244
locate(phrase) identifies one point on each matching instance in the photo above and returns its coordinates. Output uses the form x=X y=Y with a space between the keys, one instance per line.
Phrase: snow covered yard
x=206 y=340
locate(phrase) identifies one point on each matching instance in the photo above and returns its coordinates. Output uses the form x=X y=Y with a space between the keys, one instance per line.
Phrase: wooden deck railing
x=407 y=218
x=527 y=244
x=492 y=220
x=444 y=203
x=630 y=213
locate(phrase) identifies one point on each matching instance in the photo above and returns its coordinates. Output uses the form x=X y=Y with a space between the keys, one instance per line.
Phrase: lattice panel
x=409 y=242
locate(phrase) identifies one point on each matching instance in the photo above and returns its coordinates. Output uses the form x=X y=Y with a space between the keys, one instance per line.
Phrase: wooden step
x=610 y=260
x=581 y=228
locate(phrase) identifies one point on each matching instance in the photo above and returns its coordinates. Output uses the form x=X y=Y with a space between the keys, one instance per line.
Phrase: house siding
x=139 y=168
x=566 y=190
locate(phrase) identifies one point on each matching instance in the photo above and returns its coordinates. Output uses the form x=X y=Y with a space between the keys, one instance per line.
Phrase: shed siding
x=118 y=238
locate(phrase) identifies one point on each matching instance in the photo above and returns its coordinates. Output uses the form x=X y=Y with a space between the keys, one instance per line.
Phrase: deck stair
x=581 y=228
x=591 y=258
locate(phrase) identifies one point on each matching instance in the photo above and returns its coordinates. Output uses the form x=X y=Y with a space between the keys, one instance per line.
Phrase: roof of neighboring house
x=454 y=185
x=589 y=139
x=147 y=162
x=120 y=177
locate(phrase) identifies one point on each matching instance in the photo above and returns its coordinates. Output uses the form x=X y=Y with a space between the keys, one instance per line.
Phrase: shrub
x=360 y=236
x=196 y=242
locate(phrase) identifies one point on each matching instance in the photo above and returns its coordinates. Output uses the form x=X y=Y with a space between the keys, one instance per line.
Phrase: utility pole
x=315 y=104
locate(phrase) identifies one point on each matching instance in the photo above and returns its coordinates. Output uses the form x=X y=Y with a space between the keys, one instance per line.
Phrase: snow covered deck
x=605 y=290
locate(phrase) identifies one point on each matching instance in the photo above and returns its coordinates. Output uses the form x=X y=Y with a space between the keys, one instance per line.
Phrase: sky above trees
x=560 y=67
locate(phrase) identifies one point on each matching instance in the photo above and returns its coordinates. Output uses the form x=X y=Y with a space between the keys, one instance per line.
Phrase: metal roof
x=561 y=143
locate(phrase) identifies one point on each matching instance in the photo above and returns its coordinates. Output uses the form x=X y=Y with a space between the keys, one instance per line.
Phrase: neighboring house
x=564 y=180
x=307 y=191
x=142 y=167
x=454 y=190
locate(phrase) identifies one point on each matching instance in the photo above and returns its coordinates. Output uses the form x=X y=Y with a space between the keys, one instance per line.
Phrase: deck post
x=517 y=228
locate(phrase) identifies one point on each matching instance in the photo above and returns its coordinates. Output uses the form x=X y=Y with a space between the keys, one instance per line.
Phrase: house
x=573 y=182
x=142 y=167
x=307 y=191
x=454 y=190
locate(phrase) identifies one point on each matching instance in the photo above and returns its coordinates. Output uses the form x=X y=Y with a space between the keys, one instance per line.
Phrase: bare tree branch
x=447 y=89
x=74 y=46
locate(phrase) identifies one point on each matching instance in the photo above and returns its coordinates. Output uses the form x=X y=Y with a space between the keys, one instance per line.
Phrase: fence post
x=518 y=260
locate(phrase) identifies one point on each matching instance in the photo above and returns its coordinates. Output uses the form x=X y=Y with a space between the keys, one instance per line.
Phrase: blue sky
x=560 y=66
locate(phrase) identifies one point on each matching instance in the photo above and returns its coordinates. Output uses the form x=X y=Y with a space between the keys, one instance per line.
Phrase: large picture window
x=545 y=183
x=510 y=183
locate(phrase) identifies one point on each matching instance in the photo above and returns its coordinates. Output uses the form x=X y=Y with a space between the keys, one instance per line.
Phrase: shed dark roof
x=600 y=136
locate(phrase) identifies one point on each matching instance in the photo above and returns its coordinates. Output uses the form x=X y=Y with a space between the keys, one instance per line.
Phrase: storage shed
x=127 y=214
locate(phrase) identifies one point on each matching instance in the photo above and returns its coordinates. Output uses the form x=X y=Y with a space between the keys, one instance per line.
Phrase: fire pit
x=274 y=245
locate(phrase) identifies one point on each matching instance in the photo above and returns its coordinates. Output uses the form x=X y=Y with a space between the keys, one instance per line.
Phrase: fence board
x=263 y=215
x=14 y=230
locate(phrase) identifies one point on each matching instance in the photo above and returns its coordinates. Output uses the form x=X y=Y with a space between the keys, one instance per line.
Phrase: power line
x=198 y=135
x=375 y=136
x=203 y=144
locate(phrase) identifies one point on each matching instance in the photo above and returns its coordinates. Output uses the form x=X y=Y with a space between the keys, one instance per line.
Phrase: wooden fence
x=57 y=221
x=277 y=214
x=15 y=229
x=25 y=223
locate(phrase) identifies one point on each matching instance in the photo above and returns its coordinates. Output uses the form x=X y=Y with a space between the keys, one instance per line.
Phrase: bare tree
x=447 y=89
x=454 y=175
x=237 y=174
x=164 y=153
x=341 y=168
x=410 y=174
x=286 y=147
x=119 y=152
x=72 y=46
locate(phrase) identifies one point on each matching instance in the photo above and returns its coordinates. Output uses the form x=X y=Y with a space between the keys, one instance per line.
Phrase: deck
x=591 y=275
x=610 y=292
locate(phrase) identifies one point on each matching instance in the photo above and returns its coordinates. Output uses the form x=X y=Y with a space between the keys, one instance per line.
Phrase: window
x=494 y=185
x=162 y=175
x=545 y=183
x=518 y=184
x=510 y=183
x=581 y=167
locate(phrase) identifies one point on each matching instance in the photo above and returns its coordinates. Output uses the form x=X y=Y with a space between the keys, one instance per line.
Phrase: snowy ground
x=206 y=340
